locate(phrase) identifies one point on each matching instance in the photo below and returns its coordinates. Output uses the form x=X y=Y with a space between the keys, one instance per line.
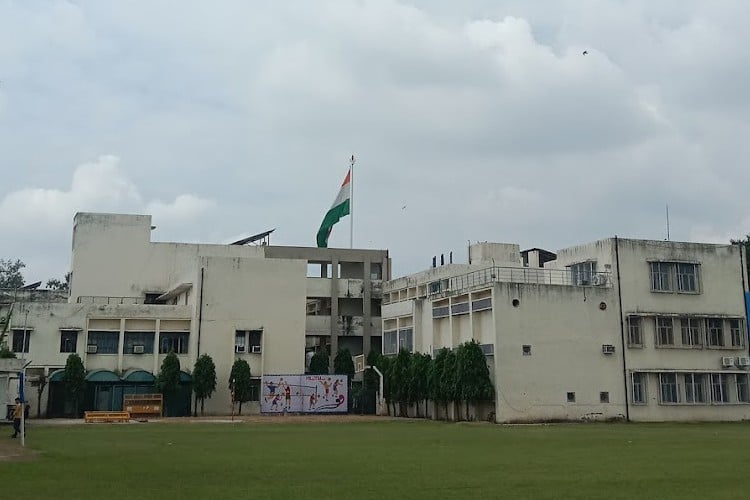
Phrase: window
x=254 y=389
x=668 y=388
x=695 y=391
x=687 y=278
x=571 y=396
x=176 y=342
x=583 y=272
x=406 y=339
x=440 y=312
x=255 y=341
x=527 y=350
x=635 y=331
x=661 y=277
x=737 y=332
x=68 y=340
x=390 y=342
x=239 y=341
x=715 y=332
x=664 y=331
x=460 y=308
x=681 y=277
x=743 y=389
x=482 y=304
x=691 y=332
x=604 y=397
x=638 y=387
x=719 y=388
x=143 y=339
x=21 y=340
x=105 y=342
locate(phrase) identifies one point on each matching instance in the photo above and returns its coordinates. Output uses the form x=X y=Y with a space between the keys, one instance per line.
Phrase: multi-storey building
x=644 y=330
x=132 y=301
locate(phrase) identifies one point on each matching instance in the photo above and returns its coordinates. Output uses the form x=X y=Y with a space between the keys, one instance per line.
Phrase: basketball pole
x=379 y=409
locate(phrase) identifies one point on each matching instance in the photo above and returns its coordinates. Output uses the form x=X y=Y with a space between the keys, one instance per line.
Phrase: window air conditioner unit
x=727 y=361
x=256 y=349
x=139 y=349
x=239 y=348
x=599 y=280
x=91 y=349
x=744 y=362
x=608 y=349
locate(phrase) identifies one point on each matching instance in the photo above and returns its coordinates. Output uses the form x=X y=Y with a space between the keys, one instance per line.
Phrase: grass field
x=389 y=459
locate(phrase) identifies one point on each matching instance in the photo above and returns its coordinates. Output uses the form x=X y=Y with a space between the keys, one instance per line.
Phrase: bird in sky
x=585 y=52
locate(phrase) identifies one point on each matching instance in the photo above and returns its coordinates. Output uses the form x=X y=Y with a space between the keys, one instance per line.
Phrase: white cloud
x=184 y=207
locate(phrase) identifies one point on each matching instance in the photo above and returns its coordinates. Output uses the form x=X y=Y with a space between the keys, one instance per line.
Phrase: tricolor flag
x=340 y=208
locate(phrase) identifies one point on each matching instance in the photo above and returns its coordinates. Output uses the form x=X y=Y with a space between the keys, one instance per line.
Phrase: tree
x=240 y=383
x=6 y=353
x=10 y=273
x=448 y=386
x=169 y=376
x=473 y=375
x=319 y=364
x=41 y=383
x=74 y=377
x=343 y=364
x=56 y=284
x=418 y=379
x=204 y=379
x=434 y=380
x=400 y=380
x=745 y=243
x=371 y=380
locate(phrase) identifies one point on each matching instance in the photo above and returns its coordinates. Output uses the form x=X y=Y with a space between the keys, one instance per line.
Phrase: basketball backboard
x=359 y=363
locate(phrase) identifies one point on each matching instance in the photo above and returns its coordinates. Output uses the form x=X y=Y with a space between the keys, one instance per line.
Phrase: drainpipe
x=742 y=248
x=622 y=329
x=200 y=318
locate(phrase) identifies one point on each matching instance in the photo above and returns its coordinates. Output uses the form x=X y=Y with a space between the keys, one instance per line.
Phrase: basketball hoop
x=359 y=363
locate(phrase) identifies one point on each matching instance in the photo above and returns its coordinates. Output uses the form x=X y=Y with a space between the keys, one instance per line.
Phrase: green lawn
x=389 y=459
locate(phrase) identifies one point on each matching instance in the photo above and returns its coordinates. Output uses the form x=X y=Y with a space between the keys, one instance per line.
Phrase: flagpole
x=351 y=203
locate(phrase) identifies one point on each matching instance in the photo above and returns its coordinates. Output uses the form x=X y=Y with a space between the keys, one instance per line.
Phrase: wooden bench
x=96 y=417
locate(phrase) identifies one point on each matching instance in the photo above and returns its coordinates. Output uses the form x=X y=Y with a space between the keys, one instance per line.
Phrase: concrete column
x=121 y=345
x=157 y=333
x=334 y=310
x=366 y=308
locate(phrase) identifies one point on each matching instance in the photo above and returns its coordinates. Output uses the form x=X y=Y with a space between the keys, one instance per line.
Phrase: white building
x=133 y=300
x=646 y=330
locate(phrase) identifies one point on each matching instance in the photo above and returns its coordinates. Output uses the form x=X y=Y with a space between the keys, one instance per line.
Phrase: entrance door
x=104 y=398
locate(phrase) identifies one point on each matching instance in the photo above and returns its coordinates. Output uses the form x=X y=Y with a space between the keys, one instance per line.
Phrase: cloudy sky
x=483 y=118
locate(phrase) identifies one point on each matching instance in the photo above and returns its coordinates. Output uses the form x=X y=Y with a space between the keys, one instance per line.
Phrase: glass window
x=694 y=388
x=743 y=389
x=691 y=331
x=737 y=332
x=687 y=277
x=668 y=387
x=661 y=276
x=145 y=341
x=582 y=273
x=719 y=388
x=239 y=341
x=68 y=340
x=406 y=339
x=21 y=339
x=390 y=342
x=176 y=342
x=639 y=388
x=635 y=331
x=105 y=342
x=715 y=332
x=255 y=340
x=664 y=331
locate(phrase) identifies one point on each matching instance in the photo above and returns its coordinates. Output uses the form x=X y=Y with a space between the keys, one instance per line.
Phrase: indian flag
x=340 y=208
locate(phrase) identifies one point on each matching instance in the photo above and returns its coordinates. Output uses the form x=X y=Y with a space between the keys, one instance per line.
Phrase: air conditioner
x=727 y=361
x=256 y=349
x=239 y=348
x=139 y=349
x=488 y=349
x=599 y=280
x=91 y=349
x=608 y=349
x=743 y=361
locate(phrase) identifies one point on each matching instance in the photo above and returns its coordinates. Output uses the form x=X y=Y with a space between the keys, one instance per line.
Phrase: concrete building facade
x=619 y=328
x=132 y=301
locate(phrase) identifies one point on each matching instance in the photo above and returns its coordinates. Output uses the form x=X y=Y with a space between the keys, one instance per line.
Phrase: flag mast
x=351 y=202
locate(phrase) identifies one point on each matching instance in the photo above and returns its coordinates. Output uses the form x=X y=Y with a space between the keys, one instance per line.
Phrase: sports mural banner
x=304 y=393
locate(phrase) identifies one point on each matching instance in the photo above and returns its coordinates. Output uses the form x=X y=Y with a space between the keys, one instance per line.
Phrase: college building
x=615 y=329
x=132 y=301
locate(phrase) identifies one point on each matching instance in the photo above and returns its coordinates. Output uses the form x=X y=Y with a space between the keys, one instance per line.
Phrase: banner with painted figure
x=304 y=394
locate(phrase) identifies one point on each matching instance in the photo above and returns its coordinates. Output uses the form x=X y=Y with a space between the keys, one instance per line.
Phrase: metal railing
x=526 y=275
x=96 y=299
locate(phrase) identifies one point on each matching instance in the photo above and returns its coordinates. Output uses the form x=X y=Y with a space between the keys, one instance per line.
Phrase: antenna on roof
x=667 y=222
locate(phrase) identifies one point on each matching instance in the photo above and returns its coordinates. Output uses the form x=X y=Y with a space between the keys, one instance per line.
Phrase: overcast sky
x=483 y=118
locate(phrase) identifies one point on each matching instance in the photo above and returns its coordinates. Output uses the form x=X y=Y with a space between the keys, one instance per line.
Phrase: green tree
x=74 y=378
x=10 y=273
x=343 y=364
x=56 y=284
x=473 y=375
x=169 y=376
x=204 y=379
x=435 y=379
x=6 y=353
x=371 y=380
x=745 y=243
x=400 y=380
x=240 y=383
x=41 y=383
x=448 y=387
x=319 y=364
x=418 y=379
